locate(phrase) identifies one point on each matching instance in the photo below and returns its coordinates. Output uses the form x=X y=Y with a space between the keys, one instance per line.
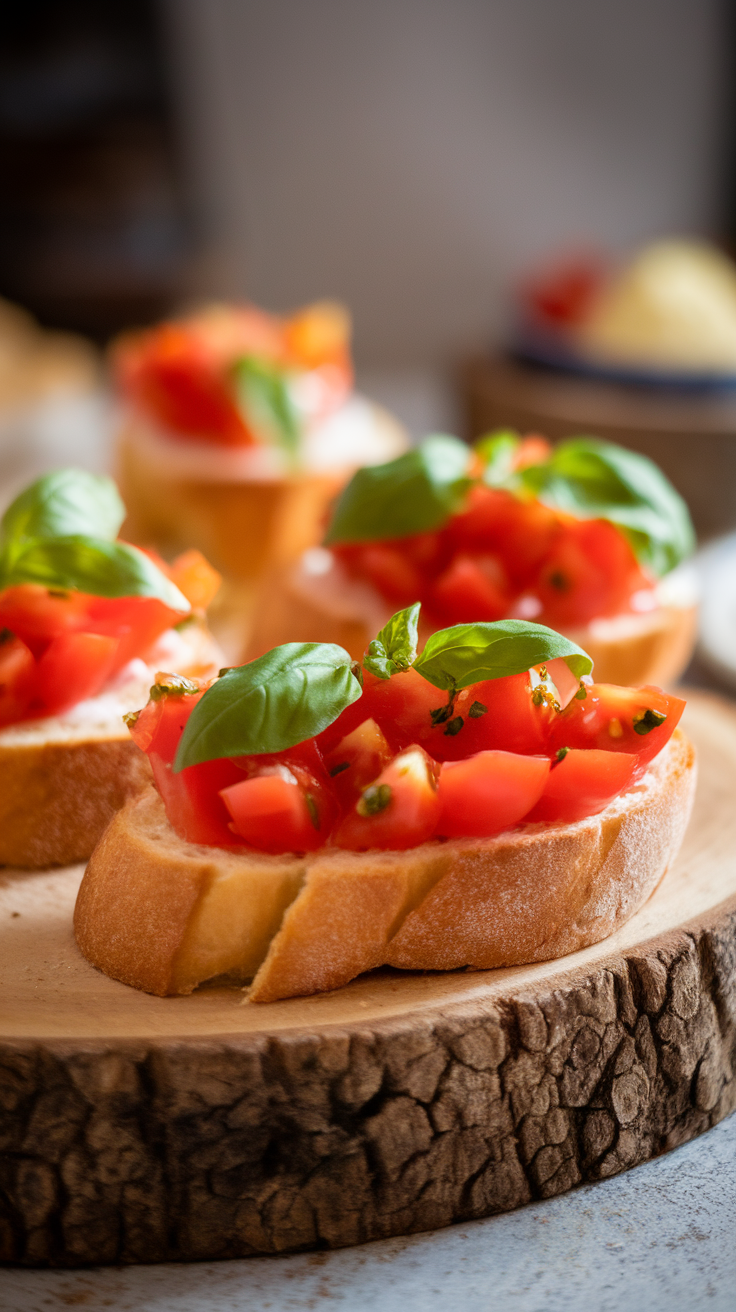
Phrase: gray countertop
x=661 y=1237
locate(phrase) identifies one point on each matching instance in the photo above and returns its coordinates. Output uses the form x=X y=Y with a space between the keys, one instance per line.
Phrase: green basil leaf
x=271 y=704
x=395 y=648
x=497 y=451
x=415 y=493
x=264 y=397
x=599 y=480
x=63 y=504
x=106 y=569
x=468 y=653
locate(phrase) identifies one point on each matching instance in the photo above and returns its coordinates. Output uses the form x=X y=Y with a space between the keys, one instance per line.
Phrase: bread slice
x=64 y=777
x=243 y=507
x=315 y=600
x=164 y=915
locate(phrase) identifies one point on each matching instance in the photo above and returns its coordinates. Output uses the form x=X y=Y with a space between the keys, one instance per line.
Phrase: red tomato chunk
x=502 y=555
x=59 y=647
x=388 y=774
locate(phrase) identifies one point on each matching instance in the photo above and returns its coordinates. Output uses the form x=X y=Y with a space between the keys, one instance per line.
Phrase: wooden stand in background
x=691 y=436
x=142 y=1129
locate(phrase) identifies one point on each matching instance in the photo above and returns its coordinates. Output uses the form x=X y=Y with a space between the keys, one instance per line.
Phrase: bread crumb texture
x=164 y=915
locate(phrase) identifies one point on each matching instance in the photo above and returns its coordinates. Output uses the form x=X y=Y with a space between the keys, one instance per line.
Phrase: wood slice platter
x=142 y=1129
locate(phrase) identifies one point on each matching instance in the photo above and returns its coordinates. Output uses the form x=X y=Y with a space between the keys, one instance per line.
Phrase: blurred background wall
x=412 y=156
x=409 y=156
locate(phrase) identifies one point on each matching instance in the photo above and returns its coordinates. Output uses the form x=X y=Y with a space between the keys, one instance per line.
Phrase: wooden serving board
x=139 y=1129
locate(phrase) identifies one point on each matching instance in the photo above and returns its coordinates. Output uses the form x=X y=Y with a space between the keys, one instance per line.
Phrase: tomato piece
x=16 y=675
x=401 y=706
x=494 y=715
x=471 y=590
x=320 y=335
x=636 y=720
x=591 y=570
x=193 y=575
x=174 y=377
x=583 y=783
x=533 y=450
x=489 y=792
x=357 y=760
x=37 y=614
x=279 y=809
x=74 y=667
x=398 y=811
x=520 y=532
x=136 y=622
x=391 y=572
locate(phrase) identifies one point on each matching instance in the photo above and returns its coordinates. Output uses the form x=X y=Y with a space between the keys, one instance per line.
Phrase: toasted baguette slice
x=161 y=914
x=315 y=600
x=63 y=778
x=243 y=507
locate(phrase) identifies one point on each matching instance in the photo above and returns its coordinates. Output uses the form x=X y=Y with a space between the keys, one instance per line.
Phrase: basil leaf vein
x=415 y=493
x=469 y=653
x=395 y=647
x=105 y=569
x=272 y=703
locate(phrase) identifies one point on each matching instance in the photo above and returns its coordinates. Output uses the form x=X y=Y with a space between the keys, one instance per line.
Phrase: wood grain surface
x=139 y=1129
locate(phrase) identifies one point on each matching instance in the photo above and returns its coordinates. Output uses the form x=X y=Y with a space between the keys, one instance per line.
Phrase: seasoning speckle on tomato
x=392 y=770
x=648 y=720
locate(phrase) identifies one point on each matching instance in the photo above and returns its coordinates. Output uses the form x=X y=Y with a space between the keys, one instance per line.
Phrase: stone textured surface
x=659 y=1238
x=228 y=1148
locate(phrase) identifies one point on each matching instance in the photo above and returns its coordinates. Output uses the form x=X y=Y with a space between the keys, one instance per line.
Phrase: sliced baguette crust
x=535 y=894
x=630 y=651
x=61 y=783
x=57 y=798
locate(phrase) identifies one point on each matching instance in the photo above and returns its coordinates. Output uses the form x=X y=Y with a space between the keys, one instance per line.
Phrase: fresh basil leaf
x=395 y=648
x=468 y=653
x=63 y=504
x=264 y=397
x=415 y=493
x=105 y=569
x=280 y=699
x=497 y=451
x=599 y=480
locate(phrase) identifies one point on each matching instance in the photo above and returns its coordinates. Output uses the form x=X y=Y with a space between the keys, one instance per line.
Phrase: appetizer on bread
x=483 y=804
x=240 y=428
x=586 y=538
x=85 y=622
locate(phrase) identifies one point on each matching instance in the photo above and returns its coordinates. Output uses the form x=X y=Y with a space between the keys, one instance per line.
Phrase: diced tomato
x=391 y=571
x=37 y=614
x=398 y=811
x=590 y=570
x=320 y=335
x=357 y=760
x=495 y=715
x=583 y=783
x=533 y=450
x=16 y=674
x=636 y=720
x=74 y=667
x=194 y=576
x=489 y=792
x=175 y=377
x=471 y=590
x=279 y=809
x=402 y=707
x=136 y=622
